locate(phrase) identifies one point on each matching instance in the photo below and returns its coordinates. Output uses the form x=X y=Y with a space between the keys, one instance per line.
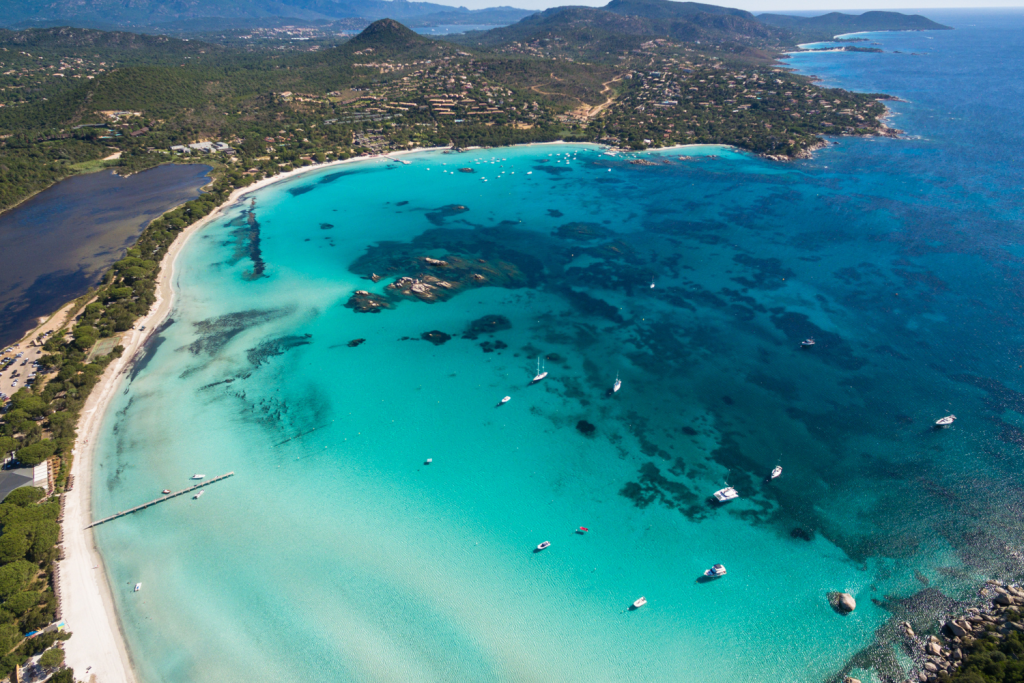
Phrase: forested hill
x=836 y=23
x=115 y=46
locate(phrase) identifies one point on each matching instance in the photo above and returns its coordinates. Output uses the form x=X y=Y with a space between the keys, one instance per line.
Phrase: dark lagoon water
x=58 y=243
x=335 y=553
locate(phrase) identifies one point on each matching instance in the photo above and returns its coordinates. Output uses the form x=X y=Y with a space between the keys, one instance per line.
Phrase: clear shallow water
x=335 y=553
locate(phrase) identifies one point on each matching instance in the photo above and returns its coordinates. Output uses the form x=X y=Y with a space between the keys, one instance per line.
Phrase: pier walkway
x=161 y=499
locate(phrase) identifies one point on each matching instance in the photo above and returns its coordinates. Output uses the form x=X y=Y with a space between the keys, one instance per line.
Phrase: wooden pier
x=397 y=160
x=161 y=499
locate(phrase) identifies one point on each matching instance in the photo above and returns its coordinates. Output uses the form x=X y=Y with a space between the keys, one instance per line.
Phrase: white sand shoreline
x=87 y=603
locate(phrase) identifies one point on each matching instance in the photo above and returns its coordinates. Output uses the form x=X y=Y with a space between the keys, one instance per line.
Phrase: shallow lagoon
x=336 y=553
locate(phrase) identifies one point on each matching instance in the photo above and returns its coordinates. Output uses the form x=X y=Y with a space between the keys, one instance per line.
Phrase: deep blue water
x=335 y=553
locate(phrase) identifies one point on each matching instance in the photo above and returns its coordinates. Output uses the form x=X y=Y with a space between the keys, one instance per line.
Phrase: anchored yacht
x=639 y=602
x=715 y=571
x=618 y=383
x=945 y=421
x=777 y=472
x=541 y=373
x=726 y=494
x=545 y=544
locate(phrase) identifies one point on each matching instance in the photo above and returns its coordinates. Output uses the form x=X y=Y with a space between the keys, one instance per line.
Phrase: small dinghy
x=545 y=544
x=166 y=491
x=505 y=400
x=945 y=421
x=138 y=587
x=652 y=279
x=196 y=497
x=715 y=571
x=582 y=530
x=639 y=602
x=807 y=343
x=777 y=472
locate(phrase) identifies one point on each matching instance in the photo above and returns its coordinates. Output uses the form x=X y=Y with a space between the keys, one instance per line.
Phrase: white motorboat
x=945 y=421
x=618 y=383
x=545 y=544
x=166 y=491
x=198 y=476
x=807 y=342
x=639 y=602
x=138 y=587
x=506 y=399
x=196 y=497
x=726 y=494
x=541 y=373
x=715 y=571
x=428 y=461
x=652 y=283
x=777 y=472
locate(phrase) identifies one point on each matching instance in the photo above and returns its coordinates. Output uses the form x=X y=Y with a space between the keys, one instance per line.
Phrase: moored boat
x=506 y=399
x=198 y=476
x=541 y=373
x=618 y=383
x=807 y=342
x=196 y=497
x=428 y=461
x=945 y=421
x=726 y=494
x=715 y=571
x=639 y=602
x=545 y=544
x=777 y=472
x=166 y=491
x=138 y=587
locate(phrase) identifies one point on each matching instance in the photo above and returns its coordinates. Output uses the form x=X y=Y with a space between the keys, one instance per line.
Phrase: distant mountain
x=115 y=46
x=623 y=24
x=144 y=13
x=386 y=37
x=836 y=23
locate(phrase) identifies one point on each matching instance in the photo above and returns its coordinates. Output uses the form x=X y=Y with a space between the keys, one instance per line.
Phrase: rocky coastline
x=995 y=618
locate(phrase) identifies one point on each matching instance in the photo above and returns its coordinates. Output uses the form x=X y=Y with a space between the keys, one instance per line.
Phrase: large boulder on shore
x=956 y=630
x=842 y=602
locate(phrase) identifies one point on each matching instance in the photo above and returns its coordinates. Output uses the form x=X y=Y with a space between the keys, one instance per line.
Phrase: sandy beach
x=97 y=652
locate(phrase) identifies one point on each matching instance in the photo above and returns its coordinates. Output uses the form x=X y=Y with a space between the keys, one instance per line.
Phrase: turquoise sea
x=336 y=554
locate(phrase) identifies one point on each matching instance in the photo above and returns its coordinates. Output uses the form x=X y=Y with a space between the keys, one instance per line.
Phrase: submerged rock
x=585 y=427
x=436 y=337
x=486 y=325
x=355 y=342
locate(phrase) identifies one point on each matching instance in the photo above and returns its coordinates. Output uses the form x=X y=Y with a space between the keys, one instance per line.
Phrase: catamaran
x=618 y=383
x=540 y=374
x=726 y=494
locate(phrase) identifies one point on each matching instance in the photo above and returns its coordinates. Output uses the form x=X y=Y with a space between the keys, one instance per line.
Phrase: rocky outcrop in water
x=435 y=337
x=842 y=602
x=364 y=302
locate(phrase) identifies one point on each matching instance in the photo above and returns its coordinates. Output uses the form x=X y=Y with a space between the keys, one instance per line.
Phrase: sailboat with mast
x=541 y=372
x=618 y=383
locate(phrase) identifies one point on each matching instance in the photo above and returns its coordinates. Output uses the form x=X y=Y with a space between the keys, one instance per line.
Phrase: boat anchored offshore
x=545 y=544
x=652 y=283
x=196 y=497
x=639 y=602
x=198 y=476
x=618 y=383
x=807 y=342
x=726 y=494
x=715 y=571
x=945 y=421
x=166 y=491
x=777 y=472
x=138 y=587
x=541 y=373
x=506 y=399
